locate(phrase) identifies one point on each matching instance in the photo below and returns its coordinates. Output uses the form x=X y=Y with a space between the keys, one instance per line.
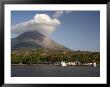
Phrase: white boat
x=94 y=64
x=63 y=64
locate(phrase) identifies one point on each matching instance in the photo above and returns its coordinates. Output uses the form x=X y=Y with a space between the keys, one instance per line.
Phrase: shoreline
x=47 y=65
x=30 y=64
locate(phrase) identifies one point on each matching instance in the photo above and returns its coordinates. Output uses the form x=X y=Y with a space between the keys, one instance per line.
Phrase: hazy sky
x=78 y=30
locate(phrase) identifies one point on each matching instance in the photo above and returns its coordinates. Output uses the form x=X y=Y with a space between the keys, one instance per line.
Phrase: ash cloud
x=42 y=23
x=59 y=13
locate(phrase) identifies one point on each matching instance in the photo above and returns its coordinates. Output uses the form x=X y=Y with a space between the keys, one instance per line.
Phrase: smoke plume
x=42 y=23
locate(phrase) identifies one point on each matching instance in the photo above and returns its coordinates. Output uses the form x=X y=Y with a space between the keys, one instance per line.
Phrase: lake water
x=54 y=71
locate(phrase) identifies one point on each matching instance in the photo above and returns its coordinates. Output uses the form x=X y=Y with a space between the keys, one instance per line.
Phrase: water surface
x=54 y=71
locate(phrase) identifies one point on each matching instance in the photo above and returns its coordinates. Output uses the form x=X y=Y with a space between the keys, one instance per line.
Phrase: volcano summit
x=34 y=39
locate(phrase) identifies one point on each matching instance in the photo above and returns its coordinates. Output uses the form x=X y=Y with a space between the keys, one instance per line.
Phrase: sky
x=77 y=30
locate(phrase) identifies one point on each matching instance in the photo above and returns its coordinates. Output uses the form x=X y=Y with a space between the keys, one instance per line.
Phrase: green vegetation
x=38 y=56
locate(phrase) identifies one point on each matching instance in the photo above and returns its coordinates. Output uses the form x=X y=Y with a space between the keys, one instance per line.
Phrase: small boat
x=94 y=64
x=63 y=64
x=57 y=64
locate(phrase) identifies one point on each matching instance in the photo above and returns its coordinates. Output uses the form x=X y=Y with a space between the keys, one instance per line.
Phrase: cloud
x=59 y=13
x=68 y=11
x=41 y=23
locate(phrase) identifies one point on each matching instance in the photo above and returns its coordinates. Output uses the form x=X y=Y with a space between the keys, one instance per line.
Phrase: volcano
x=34 y=39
